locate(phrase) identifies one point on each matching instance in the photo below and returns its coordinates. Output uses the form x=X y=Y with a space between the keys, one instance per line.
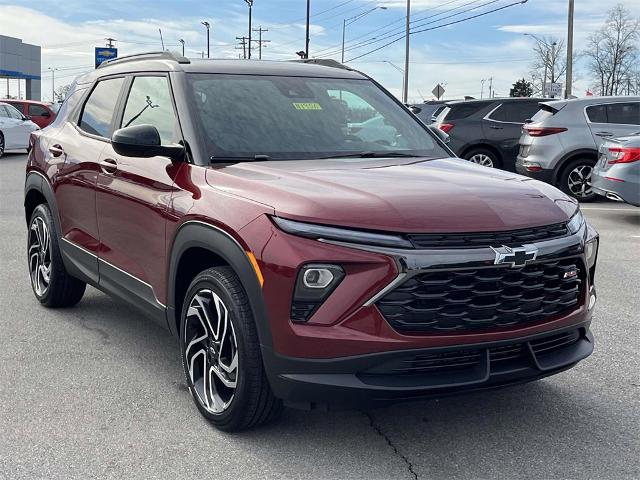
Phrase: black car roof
x=165 y=62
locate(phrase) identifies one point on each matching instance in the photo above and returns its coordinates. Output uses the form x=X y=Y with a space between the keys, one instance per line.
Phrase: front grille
x=483 y=298
x=452 y=362
x=487 y=239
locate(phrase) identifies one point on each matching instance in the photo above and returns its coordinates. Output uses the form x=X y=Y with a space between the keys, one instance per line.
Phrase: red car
x=40 y=113
x=300 y=263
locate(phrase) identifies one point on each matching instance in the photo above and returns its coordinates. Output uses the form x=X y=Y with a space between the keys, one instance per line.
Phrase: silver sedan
x=617 y=173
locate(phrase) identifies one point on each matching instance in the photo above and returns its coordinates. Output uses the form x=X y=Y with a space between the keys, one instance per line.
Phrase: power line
x=440 y=26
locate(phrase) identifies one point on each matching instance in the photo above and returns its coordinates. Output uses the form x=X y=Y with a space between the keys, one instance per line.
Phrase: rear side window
x=516 y=112
x=463 y=110
x=597 y=113
x=624 y=113
x=149 y=102
x=99 y=107
x=37 y=110
x=18 y=106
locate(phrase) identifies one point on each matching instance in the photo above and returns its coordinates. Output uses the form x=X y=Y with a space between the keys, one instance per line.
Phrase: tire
x=575 y=179
x=242 y=398
x=483 y=156
x=51 y=283
x=1 y=144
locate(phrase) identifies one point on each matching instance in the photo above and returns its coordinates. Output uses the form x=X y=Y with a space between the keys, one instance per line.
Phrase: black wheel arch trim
x=199 y=234
x=39 y=182
x=557 y=170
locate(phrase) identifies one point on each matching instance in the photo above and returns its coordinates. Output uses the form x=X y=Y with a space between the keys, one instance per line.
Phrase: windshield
x=282 y=118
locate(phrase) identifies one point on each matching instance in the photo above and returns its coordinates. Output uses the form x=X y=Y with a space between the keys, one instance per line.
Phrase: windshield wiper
x=255 y=158
x=373 y=155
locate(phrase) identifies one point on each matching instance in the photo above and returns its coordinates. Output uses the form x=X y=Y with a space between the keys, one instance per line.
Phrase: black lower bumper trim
x=381 y=378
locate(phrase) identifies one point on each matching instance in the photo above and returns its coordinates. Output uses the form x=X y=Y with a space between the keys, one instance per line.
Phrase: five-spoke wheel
x=39 y=251
x=575 y=179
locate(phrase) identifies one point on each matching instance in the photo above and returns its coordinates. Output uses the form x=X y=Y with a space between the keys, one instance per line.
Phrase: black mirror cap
x=46 y=114
x=143 y=141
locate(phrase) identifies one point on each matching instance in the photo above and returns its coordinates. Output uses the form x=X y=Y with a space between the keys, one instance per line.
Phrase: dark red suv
x=301 y=261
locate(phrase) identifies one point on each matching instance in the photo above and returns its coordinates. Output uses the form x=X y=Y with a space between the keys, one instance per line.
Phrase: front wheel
x=575 y=179
x=221 y=353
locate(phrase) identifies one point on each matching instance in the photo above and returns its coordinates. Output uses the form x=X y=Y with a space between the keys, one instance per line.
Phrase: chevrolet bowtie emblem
x=515 y=257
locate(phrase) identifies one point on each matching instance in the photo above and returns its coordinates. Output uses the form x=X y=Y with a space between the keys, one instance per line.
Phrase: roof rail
x=326 y=62
x=161 y=55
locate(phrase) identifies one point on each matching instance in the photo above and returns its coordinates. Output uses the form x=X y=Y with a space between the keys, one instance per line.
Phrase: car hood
x=400 y=195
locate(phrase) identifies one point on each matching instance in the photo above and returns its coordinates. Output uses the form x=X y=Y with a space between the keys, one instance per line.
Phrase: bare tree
x=613 y=52
x=550 y=60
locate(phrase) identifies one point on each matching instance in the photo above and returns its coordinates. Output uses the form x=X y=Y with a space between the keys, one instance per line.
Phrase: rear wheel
x=1 y=144
x=575 y=179
x=484 y=157
x=51 y=284
x=221 y=353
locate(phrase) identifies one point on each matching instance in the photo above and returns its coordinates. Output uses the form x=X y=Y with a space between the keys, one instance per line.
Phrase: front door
x=132 y=199
x=612 y=120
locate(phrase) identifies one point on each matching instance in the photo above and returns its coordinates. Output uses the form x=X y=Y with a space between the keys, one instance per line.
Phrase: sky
x=459 y=56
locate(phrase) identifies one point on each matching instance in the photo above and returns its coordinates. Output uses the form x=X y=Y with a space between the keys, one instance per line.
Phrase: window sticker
x=307 y=106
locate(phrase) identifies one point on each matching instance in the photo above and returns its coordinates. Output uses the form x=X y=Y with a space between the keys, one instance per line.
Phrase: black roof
x=168 y=62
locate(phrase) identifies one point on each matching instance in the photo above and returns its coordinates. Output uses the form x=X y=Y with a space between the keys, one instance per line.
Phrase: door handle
x=109 y=166
x=56 y=150
x=604 y=134
x=495 y=127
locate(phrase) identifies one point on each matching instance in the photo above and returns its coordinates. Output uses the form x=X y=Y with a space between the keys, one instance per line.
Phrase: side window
x=516 y=112
x=13 y=113
x=624 y=113
x=98 y=109
x=37 y=110
x=597 y=113
x=17 y=106
x=3 y=112
x=149 y=102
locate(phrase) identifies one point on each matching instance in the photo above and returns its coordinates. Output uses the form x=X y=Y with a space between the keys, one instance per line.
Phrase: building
x=21 y=61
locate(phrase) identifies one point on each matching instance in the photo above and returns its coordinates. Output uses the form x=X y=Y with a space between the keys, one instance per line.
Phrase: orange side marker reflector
x=256 y=267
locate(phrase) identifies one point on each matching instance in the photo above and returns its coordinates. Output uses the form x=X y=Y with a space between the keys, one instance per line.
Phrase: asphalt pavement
x=97 y=391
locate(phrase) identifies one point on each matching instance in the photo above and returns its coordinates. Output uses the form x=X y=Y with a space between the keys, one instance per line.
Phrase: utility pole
x=110 y=42
x=250 y=3
x=355 y=18
x=243 y=42
x=569 y=79
x=53 y=84
x=405 y=90
x=181 y=40
x=207 y=26
x=161 y=40
x=490 y=87
x=482 y=87
x=260 y=41
x=306 y=48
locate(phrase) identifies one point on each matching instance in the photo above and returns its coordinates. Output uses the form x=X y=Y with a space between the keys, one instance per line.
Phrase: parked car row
x=15 y=129
x=553 y=141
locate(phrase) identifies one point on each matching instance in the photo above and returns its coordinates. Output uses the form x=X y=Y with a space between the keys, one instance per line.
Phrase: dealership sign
x=105 y=53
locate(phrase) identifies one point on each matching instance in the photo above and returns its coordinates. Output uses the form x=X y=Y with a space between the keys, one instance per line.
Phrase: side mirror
x=415 y=110
x=46 y=114
x=143 y=141
x=440 y=134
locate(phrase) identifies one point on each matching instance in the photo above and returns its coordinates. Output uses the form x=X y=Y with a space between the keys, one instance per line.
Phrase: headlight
x=575 y=223
x=591 y=251
x=321 y=232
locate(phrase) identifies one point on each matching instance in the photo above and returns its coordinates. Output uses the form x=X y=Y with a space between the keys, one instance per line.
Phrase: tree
x=550 y=58
x=521 y=88
x=612 y=52
x=61 y=92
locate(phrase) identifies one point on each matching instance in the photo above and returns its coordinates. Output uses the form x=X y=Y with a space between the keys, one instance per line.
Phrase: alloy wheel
x=39 y=255
x=211 y=351
x=1 y=144
x=579 y=181
x=481 y=159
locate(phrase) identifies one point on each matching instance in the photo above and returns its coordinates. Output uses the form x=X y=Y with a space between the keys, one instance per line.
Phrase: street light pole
x=250 y=3
x=306 y=48
x=53 y=84
x=207 y=26
x=397 y=68
x=405 y=88
x=547 y=60
x=569 y=79
x=349 y=21
x=182 y=42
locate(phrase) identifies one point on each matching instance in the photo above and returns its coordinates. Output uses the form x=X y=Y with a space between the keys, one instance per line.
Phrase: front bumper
x=381 y=378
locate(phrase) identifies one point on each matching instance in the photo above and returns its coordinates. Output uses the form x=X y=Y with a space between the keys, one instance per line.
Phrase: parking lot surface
x=97 y=391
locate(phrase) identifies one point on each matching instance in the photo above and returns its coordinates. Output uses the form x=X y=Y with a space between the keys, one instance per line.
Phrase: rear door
x=610 y=120
x=503 y=125
x=79 y=143
x=132 y=199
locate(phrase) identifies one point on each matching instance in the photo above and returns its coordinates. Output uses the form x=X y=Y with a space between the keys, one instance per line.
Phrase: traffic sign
x=438 y=91
x=553 y=90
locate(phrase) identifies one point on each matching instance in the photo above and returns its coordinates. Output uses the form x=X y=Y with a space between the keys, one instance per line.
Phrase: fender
x=194 y=233
x=565 y=158
x=39 y=182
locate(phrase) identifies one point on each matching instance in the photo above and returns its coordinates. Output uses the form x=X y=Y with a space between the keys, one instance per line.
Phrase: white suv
x=560 y=144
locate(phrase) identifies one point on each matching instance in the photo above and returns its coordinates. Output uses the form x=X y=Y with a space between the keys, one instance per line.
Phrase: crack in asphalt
x=397 y=452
